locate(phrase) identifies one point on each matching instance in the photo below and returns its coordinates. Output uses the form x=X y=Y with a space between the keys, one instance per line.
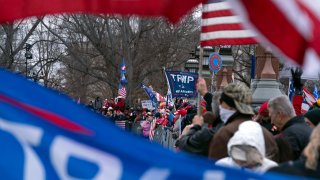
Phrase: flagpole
x=200 y=73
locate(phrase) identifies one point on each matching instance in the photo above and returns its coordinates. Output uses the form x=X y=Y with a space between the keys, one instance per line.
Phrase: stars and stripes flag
x=159 y=97
x=289 y=28
x=310 y=99
x=219 y=26
x=122 y=91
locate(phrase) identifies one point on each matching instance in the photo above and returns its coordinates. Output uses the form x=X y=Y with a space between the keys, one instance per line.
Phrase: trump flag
x=182 y=84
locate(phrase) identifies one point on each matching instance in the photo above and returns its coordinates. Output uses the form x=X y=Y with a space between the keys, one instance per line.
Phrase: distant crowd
x=274 y=137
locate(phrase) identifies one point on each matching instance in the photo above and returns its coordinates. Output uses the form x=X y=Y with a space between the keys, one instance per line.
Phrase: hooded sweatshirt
x=249 y=133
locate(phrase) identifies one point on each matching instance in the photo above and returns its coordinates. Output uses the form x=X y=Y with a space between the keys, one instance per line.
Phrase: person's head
x=280 y=110
x=312 y=150
x=149 y=116
x=312 y=117
x=247 y=146
x=263 y=113
x=236 y=97
x=208 y=117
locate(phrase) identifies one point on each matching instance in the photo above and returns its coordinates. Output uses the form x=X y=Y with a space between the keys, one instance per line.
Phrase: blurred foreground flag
x=220 y=26
x=54 y=138
x=11 y=10
x=290 y=28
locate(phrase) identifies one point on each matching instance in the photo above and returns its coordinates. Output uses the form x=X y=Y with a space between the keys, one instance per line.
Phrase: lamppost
x=28 y=55
x=206 y=73
x=192 y=65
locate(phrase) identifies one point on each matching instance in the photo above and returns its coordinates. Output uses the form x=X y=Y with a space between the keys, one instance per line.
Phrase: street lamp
x=192 y=65
x=28 y=55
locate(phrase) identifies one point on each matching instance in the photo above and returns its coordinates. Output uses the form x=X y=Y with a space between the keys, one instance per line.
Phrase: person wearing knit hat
x=312 y=117
x=264 y=119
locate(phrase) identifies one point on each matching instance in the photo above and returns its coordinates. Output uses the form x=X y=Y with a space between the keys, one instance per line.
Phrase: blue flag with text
x=182 y=84
x=45 y=135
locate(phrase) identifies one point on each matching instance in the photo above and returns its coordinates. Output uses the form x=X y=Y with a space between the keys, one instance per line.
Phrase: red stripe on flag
x=221 y=27
x=213 y=14
x=220 y=38
x=48 y=116
x=260 y=16
x=227 y=41
x=315 y=43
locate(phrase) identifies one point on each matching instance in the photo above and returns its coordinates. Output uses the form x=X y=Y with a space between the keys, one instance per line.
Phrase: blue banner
x=45 y=135
x=182 y=84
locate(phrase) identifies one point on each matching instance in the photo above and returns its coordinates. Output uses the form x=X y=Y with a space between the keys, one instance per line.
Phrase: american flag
x=289 y=27
x=159 y=97
x=220 y=26
x=122 y=92
x=309 y=97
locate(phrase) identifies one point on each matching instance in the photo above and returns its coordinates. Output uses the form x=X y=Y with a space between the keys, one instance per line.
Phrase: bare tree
x=146 y=45
x=14 y=37
x=242 y=62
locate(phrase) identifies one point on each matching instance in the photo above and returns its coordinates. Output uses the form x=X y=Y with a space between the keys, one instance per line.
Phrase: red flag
x=290 y=28
x=172 y=9
x=220 y=26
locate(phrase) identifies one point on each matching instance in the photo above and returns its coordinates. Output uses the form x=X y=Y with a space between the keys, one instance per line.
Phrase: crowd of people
x=275 y=137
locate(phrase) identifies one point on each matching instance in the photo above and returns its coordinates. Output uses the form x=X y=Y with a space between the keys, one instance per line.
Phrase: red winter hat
x=182 y=112
x=263 y=111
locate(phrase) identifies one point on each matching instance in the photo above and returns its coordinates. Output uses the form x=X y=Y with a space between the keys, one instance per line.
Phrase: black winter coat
x=197 y=140
x=297 y=168
x=297 y=133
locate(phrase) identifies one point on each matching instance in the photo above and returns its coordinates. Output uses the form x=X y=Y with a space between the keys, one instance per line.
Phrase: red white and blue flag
x=290 y=28
x=122 y=91
x=310 y=99
x=159 y=97
x=220 y=26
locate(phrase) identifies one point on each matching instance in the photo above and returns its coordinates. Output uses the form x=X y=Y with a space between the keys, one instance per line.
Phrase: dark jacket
x=197 y=140
x=297 y=133
x=218 y=146
x=208 y=98
x=297 y=168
